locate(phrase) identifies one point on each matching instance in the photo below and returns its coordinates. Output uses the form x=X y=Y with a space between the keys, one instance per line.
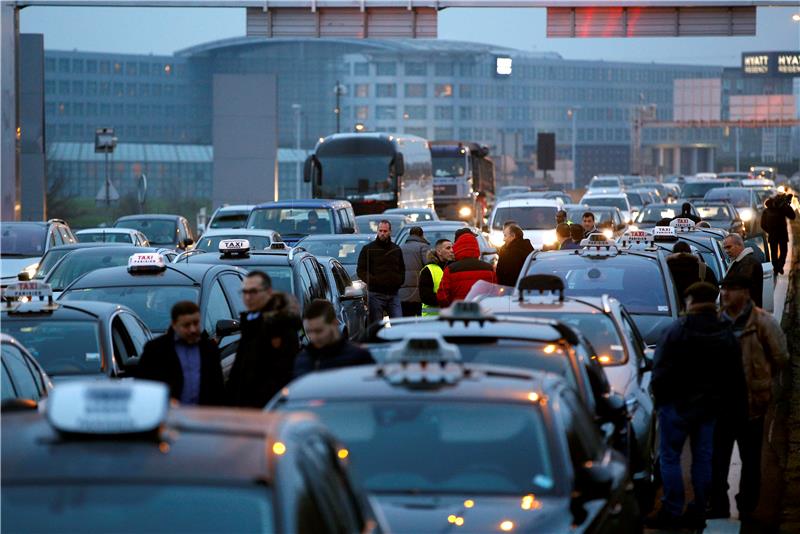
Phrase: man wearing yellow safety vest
x=431 y=275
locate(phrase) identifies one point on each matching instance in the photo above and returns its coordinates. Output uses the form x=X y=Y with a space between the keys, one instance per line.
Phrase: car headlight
x=496 y=239
x=608 y=233
x=464 y=211
x=550 y=238
x=746 y=214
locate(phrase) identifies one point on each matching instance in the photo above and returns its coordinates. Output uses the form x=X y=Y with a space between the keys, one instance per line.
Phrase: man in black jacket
x=686 y=213
x=268 y=346
x=687 y=269
x=697 y=373
x=773 y=221
x=184 y=359
x=746 y=265
x=381 y=267
x=512 y=255
x=327 y=349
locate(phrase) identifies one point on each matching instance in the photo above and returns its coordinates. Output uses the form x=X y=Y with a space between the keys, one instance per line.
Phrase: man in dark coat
x=381 y=267
x=773 y=221
x=686 y=213
x=687 y=269
x=697 y=373
x=184 y=359
x=327 y=348
x=265 y=357
x=415 y=254
x=459 y=276
x=576 y=236
x=746 y=265
x=512 y=255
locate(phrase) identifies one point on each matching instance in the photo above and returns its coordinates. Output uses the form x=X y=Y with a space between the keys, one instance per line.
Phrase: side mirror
x=227 y=327
x=353 y=293
x=187 y=242
x=308 y=169
x=348 y=230
x=399 y=165
x=23 y=276
x=649 y=354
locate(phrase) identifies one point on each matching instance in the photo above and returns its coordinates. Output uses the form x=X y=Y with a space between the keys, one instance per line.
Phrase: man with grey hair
x=744 y=264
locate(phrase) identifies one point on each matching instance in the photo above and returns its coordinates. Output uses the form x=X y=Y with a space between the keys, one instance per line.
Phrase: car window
x=136 y=331
x=122 y=344
x=21 y=374
x=305 y=283
x=584 y=445
x=322 y=276
x=341 y=278
x=55 y=237
x=216 y=309
x=7 y=390
x=66 y=236
x=233 y=284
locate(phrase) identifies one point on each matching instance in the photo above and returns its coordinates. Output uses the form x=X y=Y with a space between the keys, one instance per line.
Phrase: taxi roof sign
x=234 y=246
x=636 y=237
x=597 y=245
x=29 y=289
x=146 y=262
x=108 y=407
x=682 y=224
x=422 y=359
x=665 y=233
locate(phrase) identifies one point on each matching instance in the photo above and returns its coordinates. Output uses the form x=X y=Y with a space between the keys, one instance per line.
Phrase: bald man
x=745 y=264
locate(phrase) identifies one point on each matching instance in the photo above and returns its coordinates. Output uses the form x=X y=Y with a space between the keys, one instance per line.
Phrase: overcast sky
x=163 y=31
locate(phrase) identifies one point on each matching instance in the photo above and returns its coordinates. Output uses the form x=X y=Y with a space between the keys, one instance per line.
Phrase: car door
x=638 y=399
x=217 y=308
x=27 y=383
x=759 y=245
x=138 y=334
x=353 y=308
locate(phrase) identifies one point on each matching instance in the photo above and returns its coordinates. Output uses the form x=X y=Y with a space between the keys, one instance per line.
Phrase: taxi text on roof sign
x=32 y=288
x=146 y=261
x=664 y=232
x=234 y=245
x=682 y=224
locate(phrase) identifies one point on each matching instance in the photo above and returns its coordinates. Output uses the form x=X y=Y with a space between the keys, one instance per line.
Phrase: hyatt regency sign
x=778 y=64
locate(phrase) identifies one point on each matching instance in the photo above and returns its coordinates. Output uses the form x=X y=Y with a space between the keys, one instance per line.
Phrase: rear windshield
x=292 y=222
x=697 y=190
x=635 y=281
x=135 y=508
x=81 y=262
x=345 y=251
x=230 y=220
x=653 y=214
x=151 y=303
x=527 y=217
x=737 y=197
x=49 y=260
x=23 y=240
x=606 y=201
x=211 y=244
x=605 y=183
x=44 y=338
x=158 y=231
x=104 y=237
x=281 y=276
x=715 y=213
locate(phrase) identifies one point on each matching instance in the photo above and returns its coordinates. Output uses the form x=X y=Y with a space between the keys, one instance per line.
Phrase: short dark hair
x=576 y=232
x=184 y=307
x=681 y=246
x=508 y=223
x=702 y=293
x=562 y=230
x=320 y=308
x=560 y=213
x=385 y=221
x=266 y=281
x=416 y=230
x=516 y=231
x=588 y=214
x=443 y=240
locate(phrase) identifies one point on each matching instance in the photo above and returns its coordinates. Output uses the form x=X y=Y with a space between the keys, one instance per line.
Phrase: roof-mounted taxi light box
x=278 y=245
x=462 y=310
x=146 y=262
x=234 y=247
x=27 y=291
x=596 y=245
x=682 y=224
x=422 y=359
x=541 y=289
x=665 y=233
x=108 y=407
x=636 y=238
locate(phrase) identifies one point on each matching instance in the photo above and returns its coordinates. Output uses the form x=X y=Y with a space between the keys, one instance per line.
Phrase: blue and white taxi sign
x=146 y=262
x=108 y=407
x=29 y=289
x=665 y=233
x=682 y=224
x=234 y=246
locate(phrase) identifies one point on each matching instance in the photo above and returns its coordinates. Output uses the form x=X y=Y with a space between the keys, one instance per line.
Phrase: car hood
x=10 y=267
x=430 y=513
x=652 y=326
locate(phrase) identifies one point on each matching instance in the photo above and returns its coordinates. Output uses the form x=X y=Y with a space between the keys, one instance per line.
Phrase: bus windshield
x=357 y=169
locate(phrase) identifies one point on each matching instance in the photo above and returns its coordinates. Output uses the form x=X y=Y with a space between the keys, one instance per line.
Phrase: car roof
x=124 y=248
x=149 y=216
x=336 y=237
x=529 y=329
x=511 y=303
x=391 y=211
x=378 y=216
x=528 y=202
x=173 y=275
x=254 y=257
x=484 y=383
x=213 y=232
x=66 y=310
x=43 y=224
x=604 y=195
x=76 y=246
x=198 y=437
x=112 y=230
x=304 y=203
x=235 y=207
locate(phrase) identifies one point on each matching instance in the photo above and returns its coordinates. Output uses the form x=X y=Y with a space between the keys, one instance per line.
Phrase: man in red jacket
x=461 y=275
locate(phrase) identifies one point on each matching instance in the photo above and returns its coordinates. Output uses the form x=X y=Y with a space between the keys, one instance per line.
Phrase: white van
x=536 y=217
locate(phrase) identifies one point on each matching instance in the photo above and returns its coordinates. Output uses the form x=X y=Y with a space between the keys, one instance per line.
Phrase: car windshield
x=449 y=166
x=763 y=194
x=104 y=237
x=368 y=224
x=22 y=240
x=635 y=281
x=230 y=220
x=151 y=303
x=413 y=216
x=604 y=183
x=211 y=244
x=653 y=214
x=715 y=213
x=49 y=260
x=160 y=507
x=636 y=199
x=292 y=222
x=527 y=217
x=481 y=443
x=158 y=231
x=738 y=197
x=697 y=189
x=601 y=214
x=281 y=276
x=45 y=339
x=345 y=251
x=83 y=261
x=617 y=202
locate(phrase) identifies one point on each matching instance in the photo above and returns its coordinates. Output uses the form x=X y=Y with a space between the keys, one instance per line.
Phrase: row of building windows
x=142 y=134
x=95 y=88
x=131 y=112
x=103 y=66
x=525 y=71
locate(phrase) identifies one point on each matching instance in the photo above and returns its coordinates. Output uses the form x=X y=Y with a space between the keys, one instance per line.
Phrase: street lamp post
x=572 y=113
x=339 y=90
x=297 y=118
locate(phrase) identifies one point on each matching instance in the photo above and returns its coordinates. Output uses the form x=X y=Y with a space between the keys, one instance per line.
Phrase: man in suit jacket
x=185 y=359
